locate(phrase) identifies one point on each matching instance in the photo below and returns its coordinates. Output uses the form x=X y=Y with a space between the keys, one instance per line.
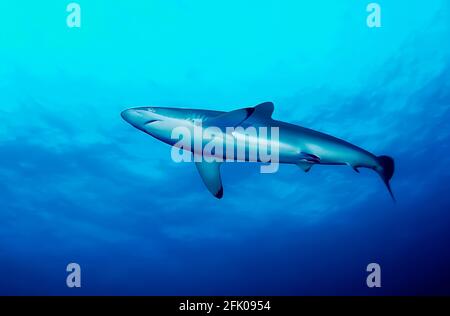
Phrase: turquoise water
x=78 y=184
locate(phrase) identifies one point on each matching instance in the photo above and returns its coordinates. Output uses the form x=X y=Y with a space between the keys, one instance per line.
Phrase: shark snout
x=134 y=117
x=140 y=117
x=127 y=114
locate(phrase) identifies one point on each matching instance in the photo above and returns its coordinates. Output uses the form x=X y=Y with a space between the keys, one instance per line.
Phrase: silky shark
x=295 y=144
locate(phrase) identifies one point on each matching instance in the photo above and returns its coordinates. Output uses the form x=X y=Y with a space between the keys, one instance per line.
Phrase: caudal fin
x=387 y=171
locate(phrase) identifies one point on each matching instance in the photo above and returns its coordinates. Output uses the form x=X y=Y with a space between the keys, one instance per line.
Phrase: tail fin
x=387 y=171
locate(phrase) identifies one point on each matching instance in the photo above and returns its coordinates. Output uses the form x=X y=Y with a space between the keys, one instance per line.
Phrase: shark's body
x=296 y=145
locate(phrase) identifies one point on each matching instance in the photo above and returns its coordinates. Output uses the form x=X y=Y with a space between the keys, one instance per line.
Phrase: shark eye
x=196 y=122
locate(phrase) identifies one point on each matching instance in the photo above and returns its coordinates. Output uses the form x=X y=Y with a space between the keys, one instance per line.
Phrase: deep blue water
x=78 y=184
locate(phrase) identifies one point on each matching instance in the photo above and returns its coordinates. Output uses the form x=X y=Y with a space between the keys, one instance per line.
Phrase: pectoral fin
x=210 y=174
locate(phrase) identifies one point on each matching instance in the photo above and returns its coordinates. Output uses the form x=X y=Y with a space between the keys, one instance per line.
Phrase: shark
x=294 y=144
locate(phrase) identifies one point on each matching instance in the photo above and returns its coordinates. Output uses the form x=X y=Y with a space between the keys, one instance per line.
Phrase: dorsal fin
x=232 y=118
x=237 y=117
x=264 y=109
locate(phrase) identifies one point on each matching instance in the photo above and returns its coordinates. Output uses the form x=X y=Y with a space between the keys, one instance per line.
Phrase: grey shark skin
x=297 y=145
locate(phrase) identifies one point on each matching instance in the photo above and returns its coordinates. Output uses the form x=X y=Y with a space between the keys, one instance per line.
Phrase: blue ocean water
x=78 y=184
